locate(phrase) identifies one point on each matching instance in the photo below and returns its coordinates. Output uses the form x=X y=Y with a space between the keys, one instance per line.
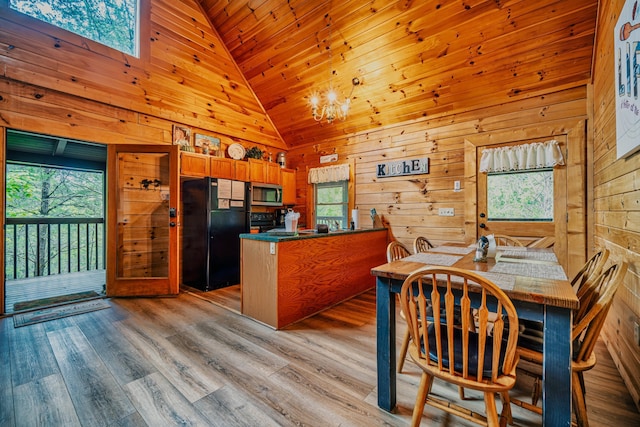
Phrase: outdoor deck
x=34 y=288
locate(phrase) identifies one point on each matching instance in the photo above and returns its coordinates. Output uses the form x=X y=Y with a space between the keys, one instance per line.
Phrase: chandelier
x=328 y=106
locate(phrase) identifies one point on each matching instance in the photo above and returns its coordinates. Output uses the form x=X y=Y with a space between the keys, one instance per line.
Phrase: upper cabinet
x=259 y=171
x=288 y=187
x=264 y=172
x=222 y=167
x=193 y=164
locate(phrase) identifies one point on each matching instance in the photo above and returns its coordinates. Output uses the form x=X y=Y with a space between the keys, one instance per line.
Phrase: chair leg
x=403 y=350
x=537 y=390
x=421 y=398
x=506 y=417
x=579 y=405
x=491 y=410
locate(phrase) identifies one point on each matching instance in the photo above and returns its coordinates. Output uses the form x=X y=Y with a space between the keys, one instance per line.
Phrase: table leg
x=556 y=367
x=386 y=344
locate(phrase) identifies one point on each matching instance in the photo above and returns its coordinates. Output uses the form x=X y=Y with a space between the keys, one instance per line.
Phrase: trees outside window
x=41 y=204
x=113 y=23
x=520 y=196
x=332 y=203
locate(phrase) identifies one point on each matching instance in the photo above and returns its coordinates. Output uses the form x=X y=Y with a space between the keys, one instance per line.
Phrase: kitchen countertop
x=302 y=234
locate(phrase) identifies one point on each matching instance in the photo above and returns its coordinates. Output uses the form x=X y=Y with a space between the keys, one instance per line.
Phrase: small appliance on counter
x=279 y=217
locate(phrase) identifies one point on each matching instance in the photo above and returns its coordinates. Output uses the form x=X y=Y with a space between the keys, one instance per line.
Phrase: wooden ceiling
x=414 y=58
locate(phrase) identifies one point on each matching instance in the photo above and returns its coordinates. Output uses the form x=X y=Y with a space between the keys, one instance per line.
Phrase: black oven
x=262 y=221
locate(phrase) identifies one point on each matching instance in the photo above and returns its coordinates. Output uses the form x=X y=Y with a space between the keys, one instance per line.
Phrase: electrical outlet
x=272 y=248
x=445 y=212
x=456 y=186
x=636 y=333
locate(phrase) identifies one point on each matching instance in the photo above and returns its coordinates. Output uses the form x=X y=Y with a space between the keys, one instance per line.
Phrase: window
x=332 y=203
x=520 y=196
x=113 y=23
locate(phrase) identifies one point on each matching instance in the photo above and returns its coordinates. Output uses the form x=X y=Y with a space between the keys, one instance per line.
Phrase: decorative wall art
x=209 y=144
x=181 y=135
x=627 y=56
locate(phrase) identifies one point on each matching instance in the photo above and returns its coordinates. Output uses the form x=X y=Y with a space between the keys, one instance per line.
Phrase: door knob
x=482 y=225
x=172 y=224
x=482 y=215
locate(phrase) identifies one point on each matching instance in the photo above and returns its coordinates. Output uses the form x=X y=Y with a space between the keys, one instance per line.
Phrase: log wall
x=410 y=204
x=616 y=203
x=60 y=84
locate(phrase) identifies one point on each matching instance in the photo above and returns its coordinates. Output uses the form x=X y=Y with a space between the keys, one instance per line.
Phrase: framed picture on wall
x=626 y=36
x=208 y=143
x=181 y=135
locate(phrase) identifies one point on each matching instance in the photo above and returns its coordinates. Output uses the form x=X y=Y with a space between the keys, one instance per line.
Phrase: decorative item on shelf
x=187 y=148
x=331 y=108
x=181 y=136
x=254 y=153
x=236 y=151
x=208 y=144
x=281 y=159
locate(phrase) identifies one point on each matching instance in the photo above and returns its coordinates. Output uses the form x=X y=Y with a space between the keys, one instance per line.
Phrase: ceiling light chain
x=332 y=108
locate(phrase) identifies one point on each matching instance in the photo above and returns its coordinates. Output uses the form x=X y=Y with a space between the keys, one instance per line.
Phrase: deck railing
x=47 y=246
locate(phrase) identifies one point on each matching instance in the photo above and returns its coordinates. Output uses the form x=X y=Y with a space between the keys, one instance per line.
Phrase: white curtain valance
x=521 y=157
x=329 y=174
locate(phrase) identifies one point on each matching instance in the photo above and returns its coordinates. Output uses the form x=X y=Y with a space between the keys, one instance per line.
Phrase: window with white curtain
x=520 y=181
x=331 y=191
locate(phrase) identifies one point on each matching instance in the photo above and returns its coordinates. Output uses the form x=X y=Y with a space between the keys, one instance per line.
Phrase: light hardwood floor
x=187 y=361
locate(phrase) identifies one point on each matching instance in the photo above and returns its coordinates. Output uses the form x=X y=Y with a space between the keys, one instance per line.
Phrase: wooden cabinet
x=273 y=173
x=257 y=170
x=192 y=164
x=264 y=172
x=277 y=291
x=222 y=168
x=288 y=178
x=242 y=171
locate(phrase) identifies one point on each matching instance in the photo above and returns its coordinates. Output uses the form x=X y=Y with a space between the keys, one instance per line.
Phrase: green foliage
x=254 y=153
x=38 y=191
x=520 y=196
x=331 y=203
x=112 y=23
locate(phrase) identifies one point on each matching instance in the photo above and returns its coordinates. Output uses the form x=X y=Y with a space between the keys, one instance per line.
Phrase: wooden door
x=527 y=231
x=142 y=219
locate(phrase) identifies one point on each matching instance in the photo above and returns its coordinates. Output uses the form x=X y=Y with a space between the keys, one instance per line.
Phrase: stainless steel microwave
x=266 y=195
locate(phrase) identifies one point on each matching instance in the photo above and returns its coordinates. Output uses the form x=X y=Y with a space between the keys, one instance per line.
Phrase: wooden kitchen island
x=288 y=278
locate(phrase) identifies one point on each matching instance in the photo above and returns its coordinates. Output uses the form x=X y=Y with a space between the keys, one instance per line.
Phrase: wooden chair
x=447 y=347
x=504 y=240
x=586 y=331
x=583 y=284
x=421 y=244
x=395 y=251
x=543 y=242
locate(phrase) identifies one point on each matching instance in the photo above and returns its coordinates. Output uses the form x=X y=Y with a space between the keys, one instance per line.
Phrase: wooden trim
x=571 y=250
x=3 y=192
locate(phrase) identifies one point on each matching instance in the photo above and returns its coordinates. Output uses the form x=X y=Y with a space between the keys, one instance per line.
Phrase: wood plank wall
x=56 y=82
x=616 y=203
x=410 y=204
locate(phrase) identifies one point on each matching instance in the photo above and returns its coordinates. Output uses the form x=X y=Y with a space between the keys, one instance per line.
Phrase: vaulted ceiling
x=414 y=58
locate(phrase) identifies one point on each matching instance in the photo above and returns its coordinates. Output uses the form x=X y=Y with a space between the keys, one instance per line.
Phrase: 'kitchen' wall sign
x=403 y=167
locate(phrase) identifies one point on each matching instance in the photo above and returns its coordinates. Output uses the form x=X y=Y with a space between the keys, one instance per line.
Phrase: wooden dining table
x=536 y=284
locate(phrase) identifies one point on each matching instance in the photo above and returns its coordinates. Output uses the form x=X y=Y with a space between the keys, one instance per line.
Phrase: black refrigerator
x=214 y=213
